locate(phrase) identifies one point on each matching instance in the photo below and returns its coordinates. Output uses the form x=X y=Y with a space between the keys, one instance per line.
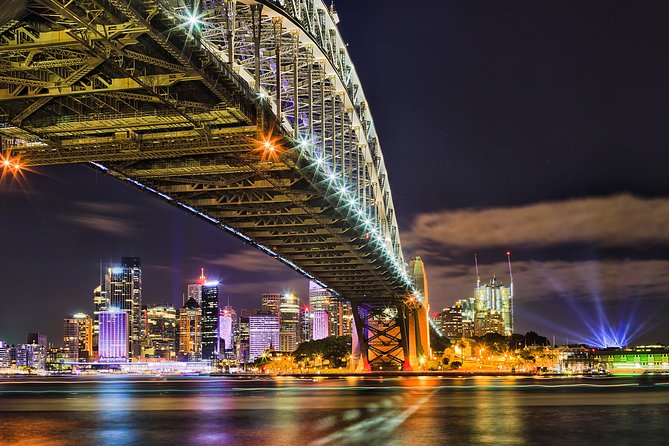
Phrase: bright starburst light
x=268 y=146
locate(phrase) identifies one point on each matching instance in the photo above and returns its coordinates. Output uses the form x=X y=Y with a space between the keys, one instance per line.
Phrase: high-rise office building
x=78 y=337
x=210 y=320
x=190 y=331
x=321 y=306
x=226 y=328
x=100 y=303
x=319 y=298
x=264 y=329
x=271 y=303
x=243 y=339
x=195 y=289
x=161 y=329
x=320 y=326
x=114 y=336
x=123 y=286
x=304 y=331
x=452 y=326
x=71 y=339
x=339 y=313
x=290 y=313
x=85 y=336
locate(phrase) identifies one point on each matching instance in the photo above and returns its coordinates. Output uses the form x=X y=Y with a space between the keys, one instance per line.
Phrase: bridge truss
x=248 y=114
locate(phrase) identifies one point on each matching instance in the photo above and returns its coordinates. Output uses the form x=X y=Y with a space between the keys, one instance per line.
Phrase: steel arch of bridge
x=170 y=95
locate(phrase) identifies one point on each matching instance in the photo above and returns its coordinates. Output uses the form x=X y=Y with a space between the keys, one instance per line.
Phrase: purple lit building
x=113 y=338
x=319 y=325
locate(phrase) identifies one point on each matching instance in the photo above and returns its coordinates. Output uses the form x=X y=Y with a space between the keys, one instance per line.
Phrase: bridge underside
x=126 y=87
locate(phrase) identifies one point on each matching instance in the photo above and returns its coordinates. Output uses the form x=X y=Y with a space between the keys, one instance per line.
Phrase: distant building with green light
x=650 y=358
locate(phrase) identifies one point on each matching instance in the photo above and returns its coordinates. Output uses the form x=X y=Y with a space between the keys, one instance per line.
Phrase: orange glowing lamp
x=268 y=146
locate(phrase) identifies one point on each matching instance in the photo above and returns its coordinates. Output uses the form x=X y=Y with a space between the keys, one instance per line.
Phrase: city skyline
x=526 y=179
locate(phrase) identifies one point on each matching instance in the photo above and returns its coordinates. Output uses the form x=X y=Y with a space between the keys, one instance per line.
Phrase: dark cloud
x=106 y=217
x=616 y=221
x=248 y=261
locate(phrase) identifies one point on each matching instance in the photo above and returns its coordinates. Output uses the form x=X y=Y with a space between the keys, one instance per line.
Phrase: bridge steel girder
x=126 y=86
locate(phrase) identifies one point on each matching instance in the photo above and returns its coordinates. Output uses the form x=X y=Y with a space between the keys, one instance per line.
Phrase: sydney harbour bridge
x=247 y=114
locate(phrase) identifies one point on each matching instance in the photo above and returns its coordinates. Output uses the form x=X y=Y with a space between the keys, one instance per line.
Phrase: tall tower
x=210 y=321
x=71 y=339
x=226 y=329
x=508 y=317
x=100 y=302
x=271 y=303
x=190 y=335
x=195 y=289
x=290 y=313
x=123 y=287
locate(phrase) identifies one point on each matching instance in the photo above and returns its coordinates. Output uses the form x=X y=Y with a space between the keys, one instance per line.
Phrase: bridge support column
x=404 y=314
x=382 y=336
x=360 y=349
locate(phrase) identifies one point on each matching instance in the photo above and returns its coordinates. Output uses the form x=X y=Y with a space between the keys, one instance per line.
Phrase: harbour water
x=513 y=410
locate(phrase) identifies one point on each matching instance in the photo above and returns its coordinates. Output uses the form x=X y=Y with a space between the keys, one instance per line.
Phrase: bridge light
x=11 y=165
x=268 y=146
x=193 y=20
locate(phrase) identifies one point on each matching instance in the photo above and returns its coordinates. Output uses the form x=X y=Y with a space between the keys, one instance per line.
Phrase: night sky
x=537 y=127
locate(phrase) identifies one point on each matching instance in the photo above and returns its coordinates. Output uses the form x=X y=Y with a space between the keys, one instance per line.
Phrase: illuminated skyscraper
x=243 y=339
x=319 y=298
x=320 y=327
x=493 y=306
x=339 y=313
x=226 y=324
x=161 y=328
x=210 y=320
x=85 y=336
x=452 y=326
x=271 y=303
x=78 y=337
x=263 y=334
x=290 y=312
x=71 y=339
x=114 y=336
x=123 y=287
x=100 y=302
x=190 y=334
x=304 y=329
x=195 y=289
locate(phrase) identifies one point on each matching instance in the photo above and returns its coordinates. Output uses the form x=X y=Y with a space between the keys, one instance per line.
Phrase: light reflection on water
x=352 y=410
